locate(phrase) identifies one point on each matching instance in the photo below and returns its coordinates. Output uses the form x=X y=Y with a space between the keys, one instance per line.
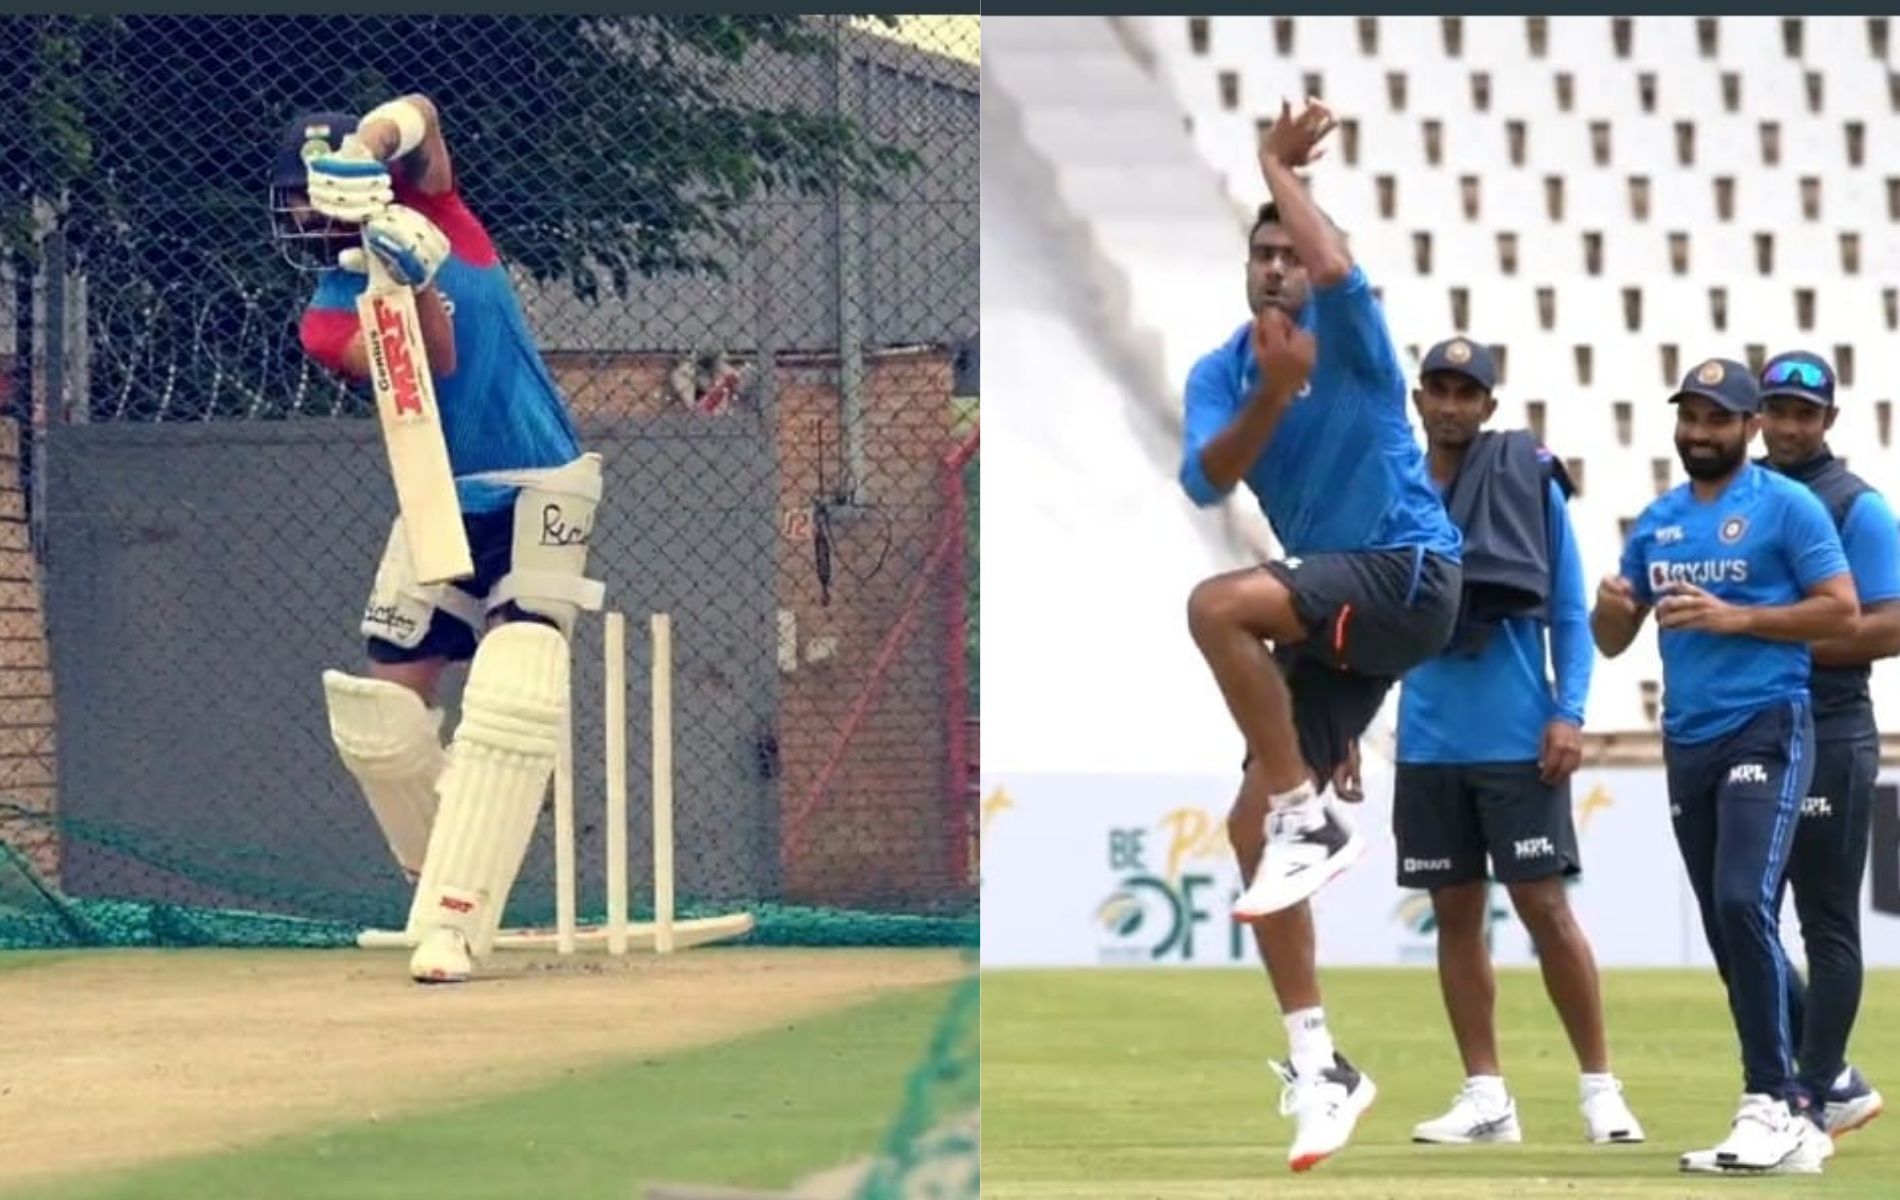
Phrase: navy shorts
x=1370 y=616
x=491 y=540
x=1448 y=817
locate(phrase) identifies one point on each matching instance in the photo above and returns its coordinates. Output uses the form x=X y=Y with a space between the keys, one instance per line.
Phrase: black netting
x=747 y=250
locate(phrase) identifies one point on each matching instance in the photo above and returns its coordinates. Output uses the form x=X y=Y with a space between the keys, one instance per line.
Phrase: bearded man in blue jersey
x=1305 y=404
x=1744 y=569
x=458 y=820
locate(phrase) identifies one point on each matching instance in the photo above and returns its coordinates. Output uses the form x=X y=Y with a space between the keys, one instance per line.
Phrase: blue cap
x=1799 y=374
x=1728 y=383
x=1462 y=356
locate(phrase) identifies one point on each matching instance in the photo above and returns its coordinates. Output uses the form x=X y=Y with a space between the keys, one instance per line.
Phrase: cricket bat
x=412 y=429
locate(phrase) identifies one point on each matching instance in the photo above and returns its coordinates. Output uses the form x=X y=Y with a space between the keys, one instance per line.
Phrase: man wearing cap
x=1829 y=856
x=1744 y=569
x=1487 y=743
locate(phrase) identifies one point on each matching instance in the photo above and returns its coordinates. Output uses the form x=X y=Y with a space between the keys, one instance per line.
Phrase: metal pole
x=849 y=238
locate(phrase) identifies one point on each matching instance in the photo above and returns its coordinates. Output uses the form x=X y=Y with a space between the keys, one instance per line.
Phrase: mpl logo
x=1669 y=535
x=1816 y=806
x=1536 y=847
x=1157 y=911
x=1748 y=773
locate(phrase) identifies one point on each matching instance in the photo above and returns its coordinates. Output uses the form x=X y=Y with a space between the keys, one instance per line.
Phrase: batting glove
x=407 y=244
x=349 y=185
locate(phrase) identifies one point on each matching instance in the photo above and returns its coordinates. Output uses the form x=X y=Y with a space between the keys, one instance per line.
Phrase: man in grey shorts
x=1487 y=744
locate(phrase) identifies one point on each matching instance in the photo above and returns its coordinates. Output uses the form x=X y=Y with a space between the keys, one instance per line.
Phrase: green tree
x=598 y=150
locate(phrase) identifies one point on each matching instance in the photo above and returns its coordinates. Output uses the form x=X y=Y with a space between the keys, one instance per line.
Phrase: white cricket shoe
x=441 y=957
x=1607 y=1117
x=1301 y=858
x=1474 y=1117
x=1324 y=1108
x=1763 y=1133
x=1812 y=1148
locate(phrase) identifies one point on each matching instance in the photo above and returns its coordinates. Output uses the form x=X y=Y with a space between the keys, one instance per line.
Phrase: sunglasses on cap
x=1801 y=374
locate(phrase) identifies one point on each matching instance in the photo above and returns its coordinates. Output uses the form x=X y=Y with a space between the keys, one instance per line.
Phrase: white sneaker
x=441 y=957
x=1607 y=1118
x=1763 y=1133
x=1298 y=861
x=1324 y=1108
x=1700 y=1162
x=1474 y=1117
x=1812 y=1148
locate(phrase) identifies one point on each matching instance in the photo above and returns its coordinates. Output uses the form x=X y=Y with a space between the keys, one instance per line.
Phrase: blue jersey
x=1343 y=471
x=1493 y=706
x=500 y=409
x=1872 y=541
x=1765 y=541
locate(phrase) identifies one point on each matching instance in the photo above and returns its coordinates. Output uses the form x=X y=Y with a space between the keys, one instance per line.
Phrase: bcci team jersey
x=1765 y=541
x=500 y=409
x=1492 y=706
x=1343 y=471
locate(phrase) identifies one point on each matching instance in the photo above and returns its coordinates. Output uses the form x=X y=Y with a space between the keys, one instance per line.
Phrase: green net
x=745 y=248
x=933 y=1150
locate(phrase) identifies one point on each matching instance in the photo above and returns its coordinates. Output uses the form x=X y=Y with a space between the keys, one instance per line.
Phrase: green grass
x=1153 y=1085
x=757 y=1112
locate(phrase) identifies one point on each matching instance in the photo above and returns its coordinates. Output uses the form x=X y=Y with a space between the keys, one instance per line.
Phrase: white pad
x=392 y=743
x=498 y=773
x=400 y=609
x=554 y=521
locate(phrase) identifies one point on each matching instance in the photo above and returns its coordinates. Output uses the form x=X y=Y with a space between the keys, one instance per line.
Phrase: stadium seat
x=1712 y=208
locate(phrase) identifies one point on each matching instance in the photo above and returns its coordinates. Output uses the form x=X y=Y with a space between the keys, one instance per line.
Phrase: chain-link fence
x=746 y=248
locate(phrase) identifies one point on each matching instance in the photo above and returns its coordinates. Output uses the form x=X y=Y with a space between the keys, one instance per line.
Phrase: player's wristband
x=408 y=120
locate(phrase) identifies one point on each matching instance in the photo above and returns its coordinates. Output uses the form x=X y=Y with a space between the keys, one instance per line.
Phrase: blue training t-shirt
x=1491 y=707
x=1343 y=471
x=501 y=409
x=1765 y=541
x=1872 y=541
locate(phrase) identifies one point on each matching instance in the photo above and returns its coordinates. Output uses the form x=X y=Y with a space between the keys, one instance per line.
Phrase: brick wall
x=876 y=831
x=27 y=791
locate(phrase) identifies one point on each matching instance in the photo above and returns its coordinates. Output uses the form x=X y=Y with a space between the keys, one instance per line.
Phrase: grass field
x=775 y=1102
x=1153 y=1085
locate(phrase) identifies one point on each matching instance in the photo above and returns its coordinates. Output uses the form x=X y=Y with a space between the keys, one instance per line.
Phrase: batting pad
x=498 y=773
x=392 y=743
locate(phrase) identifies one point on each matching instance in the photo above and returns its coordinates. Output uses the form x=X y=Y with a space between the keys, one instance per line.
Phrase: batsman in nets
x=458 y=820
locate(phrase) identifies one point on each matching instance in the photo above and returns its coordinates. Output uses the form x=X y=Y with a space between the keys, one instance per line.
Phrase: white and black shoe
x=1607 y=1119
x=1812 y=1148
x=1763 y=1134
x=1325 y=1108
x=1476 y=1116
x=1308 y=846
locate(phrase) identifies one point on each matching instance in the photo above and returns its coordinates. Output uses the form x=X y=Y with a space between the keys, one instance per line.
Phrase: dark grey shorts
x=1448 y=818
x=1371 y=616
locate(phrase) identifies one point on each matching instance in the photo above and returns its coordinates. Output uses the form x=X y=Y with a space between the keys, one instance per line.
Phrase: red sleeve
x=466 y=236
x=326 y=334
